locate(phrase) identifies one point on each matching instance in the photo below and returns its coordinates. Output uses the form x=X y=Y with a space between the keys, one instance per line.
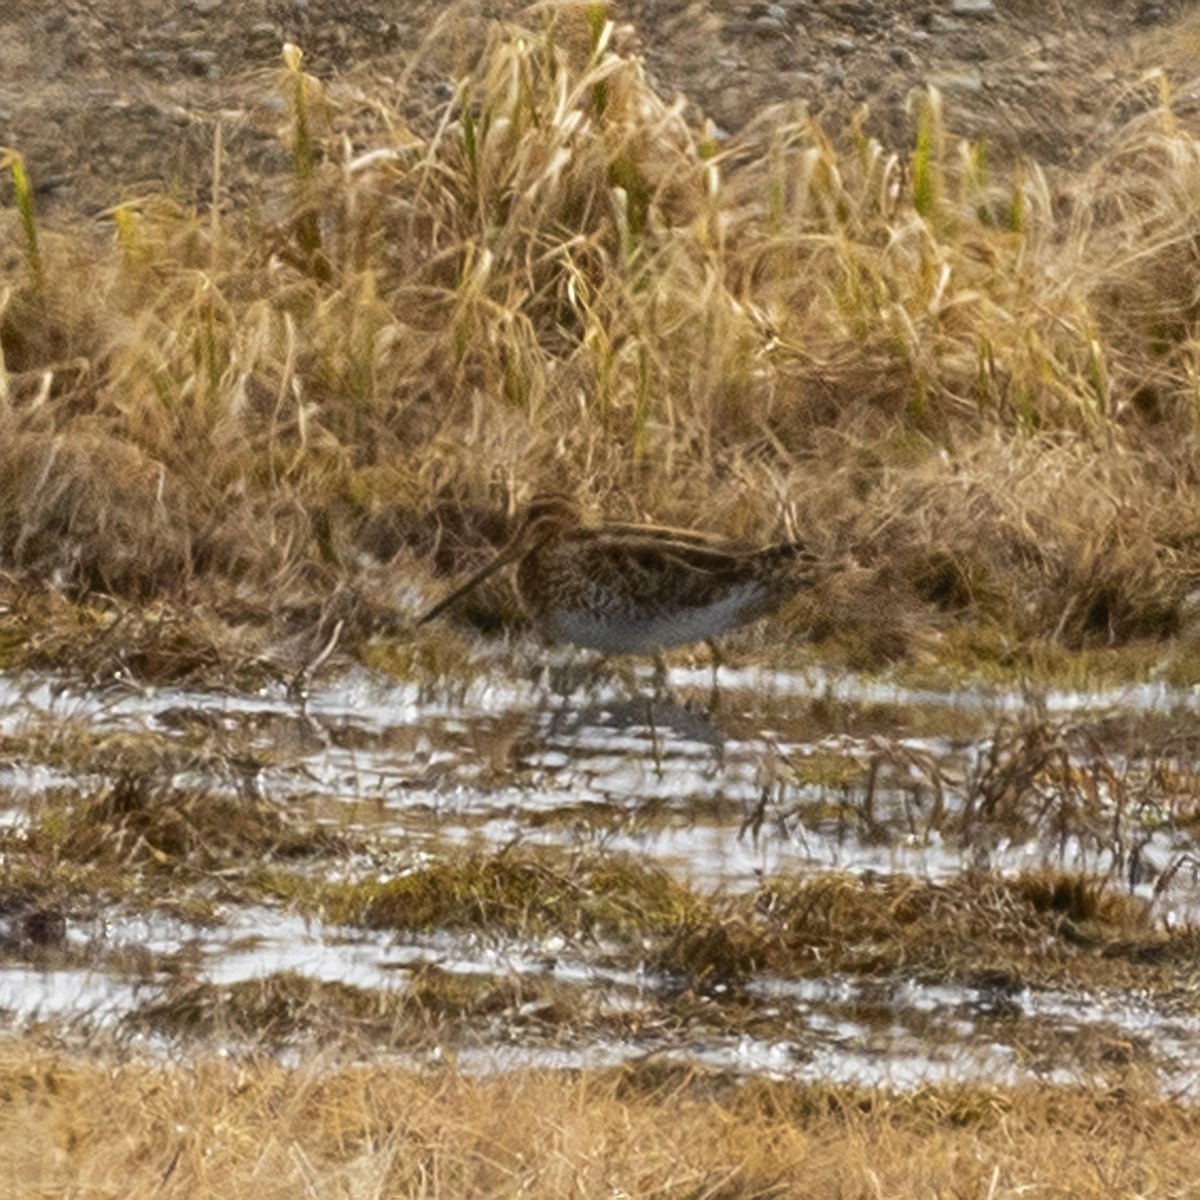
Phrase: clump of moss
x=642 y=911
x=517 y=894
x=981 y=926
x=714 y=953
x=431 y=1003
x=436 y=997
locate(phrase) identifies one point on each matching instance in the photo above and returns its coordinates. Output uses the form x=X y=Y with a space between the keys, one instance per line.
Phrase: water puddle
x=791 y=776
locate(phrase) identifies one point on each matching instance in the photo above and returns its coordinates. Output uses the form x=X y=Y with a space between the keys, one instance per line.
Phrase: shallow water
x=797 y=774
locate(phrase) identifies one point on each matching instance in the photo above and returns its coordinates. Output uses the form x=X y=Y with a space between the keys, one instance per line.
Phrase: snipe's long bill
x=637 y=589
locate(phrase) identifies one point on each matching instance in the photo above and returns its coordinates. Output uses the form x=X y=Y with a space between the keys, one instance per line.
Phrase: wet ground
x=805 y=876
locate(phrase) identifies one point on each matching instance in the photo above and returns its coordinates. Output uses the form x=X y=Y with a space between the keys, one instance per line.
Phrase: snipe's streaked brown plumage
x=637 y=589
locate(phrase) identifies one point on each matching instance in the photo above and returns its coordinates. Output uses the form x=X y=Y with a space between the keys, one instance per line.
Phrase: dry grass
x=1040 y=928
x=1102 y=787
x=137 y=820
x=215 y=1127
x=981 y=382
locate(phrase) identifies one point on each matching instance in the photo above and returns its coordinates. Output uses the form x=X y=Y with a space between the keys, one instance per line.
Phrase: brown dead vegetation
x=973 y=388
x=215 y=1127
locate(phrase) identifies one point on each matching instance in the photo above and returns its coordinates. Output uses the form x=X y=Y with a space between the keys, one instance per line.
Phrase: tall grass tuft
x=11 y=161
x=303 y=94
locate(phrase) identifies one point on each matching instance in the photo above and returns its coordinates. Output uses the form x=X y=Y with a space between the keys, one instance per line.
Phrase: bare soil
x=106 y=101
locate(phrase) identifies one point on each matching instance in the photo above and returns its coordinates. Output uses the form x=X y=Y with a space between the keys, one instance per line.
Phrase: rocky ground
x=107 y=101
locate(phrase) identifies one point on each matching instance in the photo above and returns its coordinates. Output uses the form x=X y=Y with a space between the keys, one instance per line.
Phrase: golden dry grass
x=211 y=1127
x=980 y=381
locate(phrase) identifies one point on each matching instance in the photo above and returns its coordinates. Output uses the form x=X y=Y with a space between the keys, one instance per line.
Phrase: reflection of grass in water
x=429 y=1006
x=141 y=837
x=137 y=838
x=1105 y=785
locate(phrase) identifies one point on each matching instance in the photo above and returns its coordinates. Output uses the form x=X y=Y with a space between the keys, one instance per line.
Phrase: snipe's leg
x=718 y=661
x=660 y=673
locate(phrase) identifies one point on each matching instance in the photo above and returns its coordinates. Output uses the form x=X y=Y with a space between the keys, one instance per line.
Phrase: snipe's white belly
x=617 y=630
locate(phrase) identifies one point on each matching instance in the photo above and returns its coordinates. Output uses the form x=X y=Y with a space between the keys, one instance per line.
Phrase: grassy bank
x=971 y=386
x=214 y=1127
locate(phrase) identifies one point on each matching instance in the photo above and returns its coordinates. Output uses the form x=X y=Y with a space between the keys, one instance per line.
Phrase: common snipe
x=637 y=589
